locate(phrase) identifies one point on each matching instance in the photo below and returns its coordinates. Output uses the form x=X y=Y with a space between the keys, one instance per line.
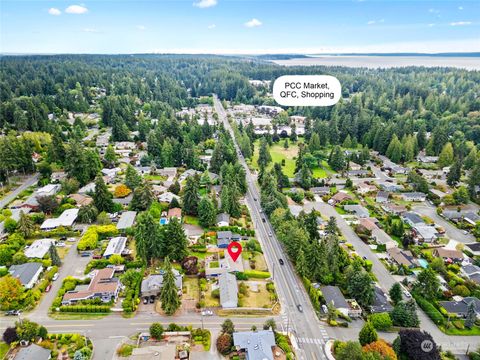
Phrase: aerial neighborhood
x=357 y=227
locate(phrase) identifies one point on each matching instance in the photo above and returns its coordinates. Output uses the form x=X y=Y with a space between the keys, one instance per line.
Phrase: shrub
x=430 y=310
x=381 y=321
x=216 y=294
x=156 y=331
x=224 y=344
x=125 y=350
x=255 y=274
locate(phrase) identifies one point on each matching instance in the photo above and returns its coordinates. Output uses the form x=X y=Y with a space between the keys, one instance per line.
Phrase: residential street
x=29 y=181
x=451 y=231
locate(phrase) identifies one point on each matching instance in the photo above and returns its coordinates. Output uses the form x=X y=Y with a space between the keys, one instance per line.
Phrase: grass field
x=192 y=220
x=258 y=299
x=209 y=300
x=3 y=349
x=192 y=289
x=279 y=153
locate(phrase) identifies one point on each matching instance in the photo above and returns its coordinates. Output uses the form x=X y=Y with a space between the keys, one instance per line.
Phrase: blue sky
x=238 y=26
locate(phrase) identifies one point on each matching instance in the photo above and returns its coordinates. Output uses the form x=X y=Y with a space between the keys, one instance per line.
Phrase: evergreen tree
x=337 y=159
x=264 y=157
x=368 y=334
x=395 y=293
x=446 y=156
x=175 y=244
x=142 y=197
x=132 y=178
x=110 y=157
x=394 y=150
x=455 y=173
x=301 y=264
x=191 y=197
x=314 y=144
x=428 y=284
x=305 y=177
x=76 y=163
x=471 y=315
x=206 y=213
x=169 y=292
x=102 y=198
x=25 y=225
x=149 y=237
x=52 y=252
x=87 y=214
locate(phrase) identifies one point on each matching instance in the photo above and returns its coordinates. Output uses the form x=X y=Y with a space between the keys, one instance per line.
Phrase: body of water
x=374 y=62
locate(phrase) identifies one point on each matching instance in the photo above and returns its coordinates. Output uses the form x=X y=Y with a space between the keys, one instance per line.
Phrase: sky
x=238 y=26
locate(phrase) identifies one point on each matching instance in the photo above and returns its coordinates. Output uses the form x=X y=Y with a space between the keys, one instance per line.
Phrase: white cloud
x=372 y=22
x=253 y=23
x=205 y=3
x=433 y=11
x=76 y=9
x=461 y=23
x=460 y=8
x=211 y=26
x=54 y=11
x=141 y=27
x=431 y=25
x=90 y=30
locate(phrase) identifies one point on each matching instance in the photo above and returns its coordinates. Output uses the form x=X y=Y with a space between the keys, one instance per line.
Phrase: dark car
x=263 y=219
x=96 y=257
x=85 y=254
x=152 y=299
x=281 y=261
x=300 y=308
x=145 y=300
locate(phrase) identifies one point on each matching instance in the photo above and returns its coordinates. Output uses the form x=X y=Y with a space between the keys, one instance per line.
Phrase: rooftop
x=25 y=272
x=257 y=344
x=39 y=248
x=116 y=246
x=126 y=220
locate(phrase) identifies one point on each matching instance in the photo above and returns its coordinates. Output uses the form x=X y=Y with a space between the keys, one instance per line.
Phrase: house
x=174 y=213
x=460 y=308
x=81 y=199
x=382 y=197
x=167 y=197
x=390 y=186
x=472 y=218
x=27 y=273
x=127 y=219
x=438 y=193
x=39 y=248
x=257 y=345
x=47 y=190
x=414 y=196
x=448 y=255
x=338 y=198
x=115 y=246
x=380 y=303
x=89 y=188
x=321 y=190
x=427 y=159
x=333 y=295
x=413 y=219
x=364 y=188
x=402 y=257
x=381 y=237
x=58 y=176
x=396 y=169
x=394 y=209
x=223 y=219
x=474 y=248
x=298 y=120
x=354 y=166
x=357 y=173
x=152 y=284
x=103 y=286
x=67 y=218
x=33 y=352
x=223 y=239
x=359 y=210
x=110 y=174
x=368 y=223
x=426 y=233
x=470 y=270
x=227 y=284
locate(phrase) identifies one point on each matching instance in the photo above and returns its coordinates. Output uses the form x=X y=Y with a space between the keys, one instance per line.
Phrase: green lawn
x=192 y=220
x=279 y=153
x=465 y=332
x=155 y=177
x=73 y=316
x=192 y=289
x=3 y=349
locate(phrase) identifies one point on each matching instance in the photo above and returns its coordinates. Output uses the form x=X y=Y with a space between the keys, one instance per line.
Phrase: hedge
x=255 y=274
x=85 y=308
x=430 y=310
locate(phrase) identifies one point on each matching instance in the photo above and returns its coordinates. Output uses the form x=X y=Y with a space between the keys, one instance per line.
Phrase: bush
x=255 y=274
x=381 y=321
x=216 y=294
x=224 y=344
x=156 y=331
x=430 y=310
x=125 y=350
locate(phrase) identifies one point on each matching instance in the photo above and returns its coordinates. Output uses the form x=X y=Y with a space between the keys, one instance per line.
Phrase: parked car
x=12 y=313
x=407 y=294
x=61 y=244
x=85 y=253
x=300 y=308
x=152 y=299
x=263 y=220
x=71 y=239
x=63 y=238
x=55 y=277
x=207 y=313
x=145 y=300
x=96 y=256
x=281 y=261
x=48 y=288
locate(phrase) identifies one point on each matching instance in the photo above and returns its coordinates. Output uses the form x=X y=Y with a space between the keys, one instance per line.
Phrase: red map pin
x=234 y=250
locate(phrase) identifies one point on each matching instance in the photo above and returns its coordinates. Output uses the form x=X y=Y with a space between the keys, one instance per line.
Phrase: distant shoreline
x=384 y=62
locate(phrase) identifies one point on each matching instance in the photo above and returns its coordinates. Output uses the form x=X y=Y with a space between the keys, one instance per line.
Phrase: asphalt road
x=307 y=330
x=29 y=181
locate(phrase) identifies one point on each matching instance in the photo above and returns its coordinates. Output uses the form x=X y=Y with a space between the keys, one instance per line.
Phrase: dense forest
x=413 y=108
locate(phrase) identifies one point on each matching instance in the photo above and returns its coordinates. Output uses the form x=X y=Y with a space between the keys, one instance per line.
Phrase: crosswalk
x=311 y=341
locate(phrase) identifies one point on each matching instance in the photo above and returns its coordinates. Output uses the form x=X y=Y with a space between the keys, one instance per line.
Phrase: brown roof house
x=449 y=255
x=103 y=286
x=338 y=198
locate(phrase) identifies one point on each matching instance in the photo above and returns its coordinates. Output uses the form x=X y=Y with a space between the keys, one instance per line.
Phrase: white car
x=71 y=239
x=55 y=277
x=207 y=313
x=61 y=244
x=407 y=294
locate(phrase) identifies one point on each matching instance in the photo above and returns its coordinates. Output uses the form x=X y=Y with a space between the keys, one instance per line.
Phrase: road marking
x=72 y=325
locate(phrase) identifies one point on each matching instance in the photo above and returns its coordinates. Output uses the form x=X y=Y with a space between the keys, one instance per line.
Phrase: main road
x=308 y=333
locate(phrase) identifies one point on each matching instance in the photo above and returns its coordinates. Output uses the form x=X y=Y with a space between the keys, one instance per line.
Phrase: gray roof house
x=460 y=307
x=228 y=290
x=115 y=246
x=382 y=197
x=223 y=238
x=412 y=219
x=153 y=283
x=27 y=273
x=223 y=219
x=414 y=196
x=474 y=248
x=257 y=345
x=33 y=352
x=126 y=220
x=332 y=294
x=381 y=303
x=359 y=210
x=426 y=233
